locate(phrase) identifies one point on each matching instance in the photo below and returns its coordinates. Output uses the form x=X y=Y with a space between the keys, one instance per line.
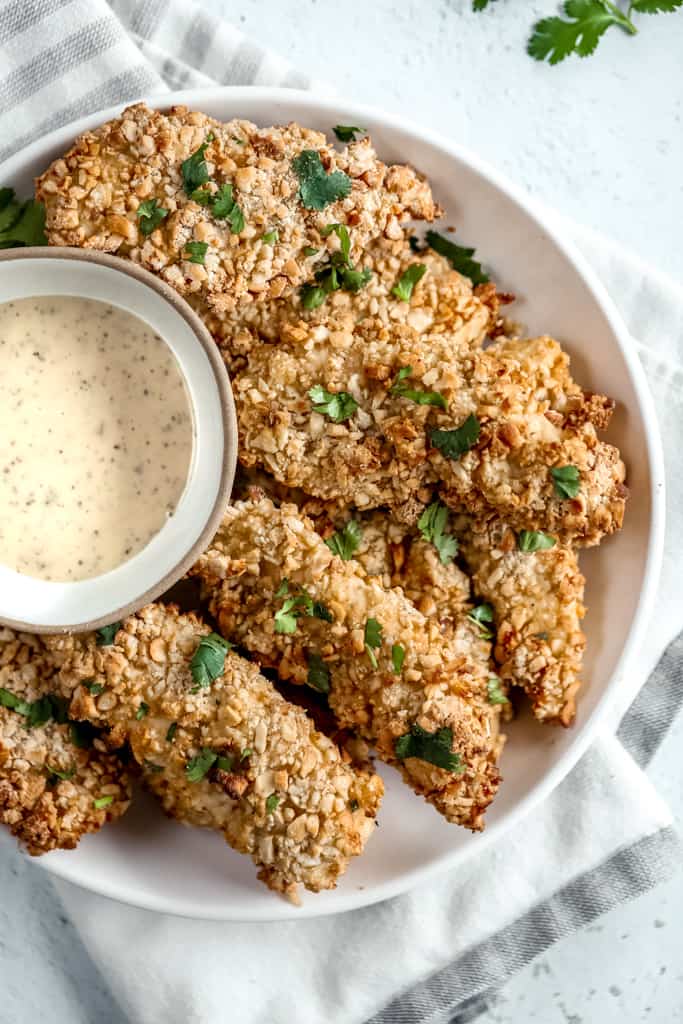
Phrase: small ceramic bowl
x=40 y=606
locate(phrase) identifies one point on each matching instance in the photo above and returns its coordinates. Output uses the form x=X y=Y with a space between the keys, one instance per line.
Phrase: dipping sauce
x=96 y=436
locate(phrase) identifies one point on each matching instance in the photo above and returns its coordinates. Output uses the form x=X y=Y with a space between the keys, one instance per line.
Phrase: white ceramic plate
x=147 y=861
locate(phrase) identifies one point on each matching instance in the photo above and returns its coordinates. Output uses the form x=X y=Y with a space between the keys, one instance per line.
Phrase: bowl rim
x=296 y=100
x=228 y=420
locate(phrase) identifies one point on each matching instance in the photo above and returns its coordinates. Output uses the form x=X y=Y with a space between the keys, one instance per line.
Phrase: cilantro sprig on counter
x=585 y=22
x=21 y=223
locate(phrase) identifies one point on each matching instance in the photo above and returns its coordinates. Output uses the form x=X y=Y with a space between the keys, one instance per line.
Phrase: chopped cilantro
x=339 y=407
x=83 y=734
x=317 y=188
x=20 y=223
x=459 y=257
x=37 y=712
x=13 y=703
x=150 y=215
x=198 y=766
x=337 y=273
x=247 y=752
x=224 y=207
x=347 y=132
x=195 y=252
x=482 y=615
x=55 y=773
x=373 y=640
x=398 y=654
x=312 y=296
x=295 y=606
x=208 y=660
x=142 y=710
x=105 y=635
x=454 y=443
x=151 y=766
x=318 y=674
x=434 y=747
x=283 y=589
x=102 y=801
x=94 y=688
x=194 y=169
x=310 y=251
x=225 y=763
x=432 y=525
x=567 y=480
x=172 y=729
x=271 y=803
x=341 y=231
x=496 y=693
x=270 y=237
x=321 y=611
x=402 y=390
x=534 y=540
x=344 y=542
x=403 y=289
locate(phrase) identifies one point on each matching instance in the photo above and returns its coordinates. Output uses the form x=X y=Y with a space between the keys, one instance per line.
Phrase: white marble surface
x=601 y=140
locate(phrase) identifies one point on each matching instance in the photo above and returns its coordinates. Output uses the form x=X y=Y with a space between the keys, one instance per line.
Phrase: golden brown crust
x=92 y=195
x=324 y=809
x=537 y=598
x=442 y=684
x=43 y=811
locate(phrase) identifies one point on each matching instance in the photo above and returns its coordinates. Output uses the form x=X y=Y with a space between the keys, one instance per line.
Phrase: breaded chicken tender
x=375 y=445
x=127 y=188
x=52 y=791
x=443 y=301
x=419 y=697
x=537 y=600
x=229 y=753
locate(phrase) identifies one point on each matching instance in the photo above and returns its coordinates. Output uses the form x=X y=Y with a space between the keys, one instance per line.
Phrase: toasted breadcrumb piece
x=284 y=795
x=93 y=195
x=46 y=812
x=537 y=599
x=442 y=302
x=263 y=558
x=532 y=418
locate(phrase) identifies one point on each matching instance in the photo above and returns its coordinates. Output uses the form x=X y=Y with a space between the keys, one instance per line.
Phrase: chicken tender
x=53 y=790
x=443 y=301
x=537 y=600
x=421 y=699
x=223 y=211
x=375 y=444
x=224 y=750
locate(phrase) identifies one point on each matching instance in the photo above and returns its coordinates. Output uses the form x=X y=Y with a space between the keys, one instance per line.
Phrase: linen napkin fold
x=604 y=836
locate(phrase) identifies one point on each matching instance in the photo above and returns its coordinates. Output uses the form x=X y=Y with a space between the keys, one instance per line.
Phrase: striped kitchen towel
x=437 y=954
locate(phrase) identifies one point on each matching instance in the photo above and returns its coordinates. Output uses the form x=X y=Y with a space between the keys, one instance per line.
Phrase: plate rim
x=354 y=898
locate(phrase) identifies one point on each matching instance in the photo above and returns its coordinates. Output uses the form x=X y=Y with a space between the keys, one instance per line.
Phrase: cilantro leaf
x=22 y=224
x=496 y=693
x=316 y=187
x=55 y=773
x=94 y=688
x=312 y=296
x=208 y=661
x=338 y=406
x=172 y=729
x=195 y=252
x=347 y=132
x=318 y=674
x=150 y=216
x=310 y=251
x=151 y=766
x=83 y=734
x=283 y=589
x=271 y=803
x=534 y=540
x=194 y=169
x=225 y=763
x=555 y=39
x=454 y=443
x=655 y=6
x=403 y=289
x=459 y=257
x=345 y=542
x=398 y=654
x=567 y=479
x=102 y=801
x=480 y=5
x=224 y=207
x=285 y=618
x=13 y=703
x=142 y=711
x=401 y=389
x=105 y=635
x=434 y=747
x=432 y=524
x=341 y=231
x=270 y=237
x=373 y=639
x=37 y=712
x=320 y=611
x=338 y=272
x=198 y=766
x=482 y=615
x=6 y=197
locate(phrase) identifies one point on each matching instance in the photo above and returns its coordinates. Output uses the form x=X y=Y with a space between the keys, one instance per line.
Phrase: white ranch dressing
x=96 y=436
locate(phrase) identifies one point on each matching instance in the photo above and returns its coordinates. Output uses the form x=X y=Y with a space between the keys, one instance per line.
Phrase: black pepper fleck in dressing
x=96 y=436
